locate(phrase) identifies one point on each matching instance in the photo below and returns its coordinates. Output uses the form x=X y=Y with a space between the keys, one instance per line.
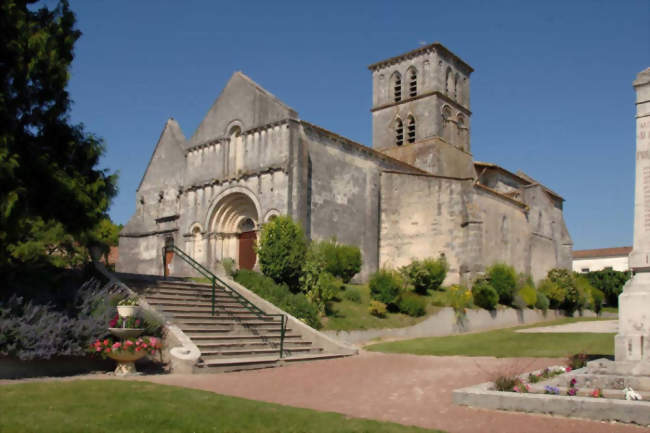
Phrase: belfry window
x=396 y=81
x=399 y=132
x=413 y=82
x=410 y=130
x=448 y=82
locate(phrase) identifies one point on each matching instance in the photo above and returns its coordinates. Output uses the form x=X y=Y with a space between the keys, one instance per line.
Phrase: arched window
x=456 y=92
x=396 y=83
x=399 y=132
x=446 y=113
x=461 y=121
x=247 y=225
x=413 y=81
x=449 y=82
x=410 y=129
x=234 y=132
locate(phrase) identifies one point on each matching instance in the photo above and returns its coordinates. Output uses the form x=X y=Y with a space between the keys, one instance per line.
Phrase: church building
x=416 y=193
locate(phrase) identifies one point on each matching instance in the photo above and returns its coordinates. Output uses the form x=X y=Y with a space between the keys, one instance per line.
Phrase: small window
x=448 y=82
x=456 y=87
x=446 y=113
x=584 y=270
x=413 y=82
x=399 y=132
x=461 y=121
x=410 y=130
x=396 y=81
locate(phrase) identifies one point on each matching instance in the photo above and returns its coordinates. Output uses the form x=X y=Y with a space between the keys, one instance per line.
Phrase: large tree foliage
x=52 y=195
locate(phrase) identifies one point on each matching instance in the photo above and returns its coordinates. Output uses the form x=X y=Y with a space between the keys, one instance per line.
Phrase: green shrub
x=529 y=295
x=484 y=294
x=352 y=294
x=542 y=302
x=427 y=274
x=279 y=295
x=281 y=250
x=342 y=261
x=610 y=282
x=412 y=304
x=459 y=298
x=504 y=280
x=319 y=286
x=553 y=292
x=228 y=266
x=377 y=308
x=597 y=298
x=385 y=286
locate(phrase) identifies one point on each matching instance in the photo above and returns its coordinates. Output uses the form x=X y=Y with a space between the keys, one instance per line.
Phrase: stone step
x=212 y=354
x=175 y=297
x=203 y=308
x=244 y=337
x=203 y=315
x=238 y=344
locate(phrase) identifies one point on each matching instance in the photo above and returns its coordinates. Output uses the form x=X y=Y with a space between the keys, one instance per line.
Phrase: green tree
x=106 y=235
x=281 y=250
x=52 y=195
x=610 y=282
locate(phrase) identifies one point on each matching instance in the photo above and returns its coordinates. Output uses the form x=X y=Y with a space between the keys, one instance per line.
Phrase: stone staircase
x=235 y=338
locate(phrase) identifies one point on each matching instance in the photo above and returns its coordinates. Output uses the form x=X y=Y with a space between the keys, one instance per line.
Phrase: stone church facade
x=416 y=193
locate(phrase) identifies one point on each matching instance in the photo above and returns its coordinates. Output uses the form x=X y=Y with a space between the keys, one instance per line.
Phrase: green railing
x=226 y=288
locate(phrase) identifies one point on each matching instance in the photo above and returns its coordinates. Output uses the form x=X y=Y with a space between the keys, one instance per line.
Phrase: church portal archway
x=233 y=227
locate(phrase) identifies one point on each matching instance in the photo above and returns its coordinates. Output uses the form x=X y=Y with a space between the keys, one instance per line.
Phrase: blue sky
x=551 y=93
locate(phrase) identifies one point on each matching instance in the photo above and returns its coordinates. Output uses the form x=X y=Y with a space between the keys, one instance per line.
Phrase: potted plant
x=127 y=307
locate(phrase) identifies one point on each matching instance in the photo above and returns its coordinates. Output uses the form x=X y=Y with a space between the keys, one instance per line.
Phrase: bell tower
x=421 y=95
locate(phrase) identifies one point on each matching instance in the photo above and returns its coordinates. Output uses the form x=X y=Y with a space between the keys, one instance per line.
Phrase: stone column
x=633 y=338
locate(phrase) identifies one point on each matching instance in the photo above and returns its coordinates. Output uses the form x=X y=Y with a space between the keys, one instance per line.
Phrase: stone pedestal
x=633 y=339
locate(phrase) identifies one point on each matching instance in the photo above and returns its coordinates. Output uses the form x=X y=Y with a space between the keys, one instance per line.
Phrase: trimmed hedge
x=412 y=304
x=504 y=280
x=427 y=274
x=342 y=261
x=295 y=304
x=484 y=294
x=385 y=286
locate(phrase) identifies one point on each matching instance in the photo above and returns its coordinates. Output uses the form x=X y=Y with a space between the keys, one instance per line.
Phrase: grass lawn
x=119 y=406
x=506 y=343
x=348 y=315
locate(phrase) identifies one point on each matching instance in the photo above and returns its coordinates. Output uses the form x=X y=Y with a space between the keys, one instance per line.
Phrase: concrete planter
x=444 y=322
x=127 y=310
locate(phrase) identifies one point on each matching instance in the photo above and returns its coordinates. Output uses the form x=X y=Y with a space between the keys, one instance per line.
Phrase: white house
x=601 y=258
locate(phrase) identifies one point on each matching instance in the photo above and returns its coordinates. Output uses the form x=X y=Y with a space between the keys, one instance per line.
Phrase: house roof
x=602 y=252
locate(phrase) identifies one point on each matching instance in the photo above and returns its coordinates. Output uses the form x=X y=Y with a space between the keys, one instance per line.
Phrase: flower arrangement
x=131 y=301
x=551 y=390
x=149 y=345
x=521 y=387
x=124 y=322
x=597 y=393
x=547 y=373
x=572 y=390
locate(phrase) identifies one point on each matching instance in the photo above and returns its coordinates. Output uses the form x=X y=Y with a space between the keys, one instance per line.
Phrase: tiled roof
x=602 y=252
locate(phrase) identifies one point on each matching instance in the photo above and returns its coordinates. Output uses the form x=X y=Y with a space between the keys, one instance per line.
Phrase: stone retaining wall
x=444 y=323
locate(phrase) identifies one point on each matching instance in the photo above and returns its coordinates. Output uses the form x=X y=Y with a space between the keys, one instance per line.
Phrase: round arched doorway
x=234 y=228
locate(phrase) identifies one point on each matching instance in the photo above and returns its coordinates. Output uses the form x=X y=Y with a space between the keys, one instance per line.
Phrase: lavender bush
x=29 y=330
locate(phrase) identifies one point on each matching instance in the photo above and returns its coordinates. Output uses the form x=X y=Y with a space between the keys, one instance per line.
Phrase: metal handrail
x=230 y=290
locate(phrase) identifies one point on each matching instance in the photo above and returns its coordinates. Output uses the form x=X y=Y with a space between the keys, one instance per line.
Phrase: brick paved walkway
x=407 y=389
